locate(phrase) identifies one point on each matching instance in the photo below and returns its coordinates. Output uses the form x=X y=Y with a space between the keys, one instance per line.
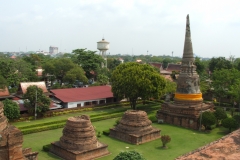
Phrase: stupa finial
x=188 y=50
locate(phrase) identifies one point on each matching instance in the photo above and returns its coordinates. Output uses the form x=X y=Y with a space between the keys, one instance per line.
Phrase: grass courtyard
x=183 y=141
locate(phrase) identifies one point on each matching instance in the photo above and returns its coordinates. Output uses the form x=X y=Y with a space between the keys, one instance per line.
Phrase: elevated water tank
x=103 y=45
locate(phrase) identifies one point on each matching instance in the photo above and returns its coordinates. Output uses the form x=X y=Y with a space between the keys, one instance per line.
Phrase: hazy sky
x=130 y=26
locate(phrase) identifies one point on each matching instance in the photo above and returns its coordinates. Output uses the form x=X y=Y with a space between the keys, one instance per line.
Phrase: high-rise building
x=53 y=50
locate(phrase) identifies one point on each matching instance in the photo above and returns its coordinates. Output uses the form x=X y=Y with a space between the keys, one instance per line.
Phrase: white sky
x=130 y=26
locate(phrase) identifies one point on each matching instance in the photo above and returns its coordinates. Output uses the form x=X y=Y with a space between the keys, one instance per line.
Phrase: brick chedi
x=188 y=102
x=79 y=141
x=135 y=128
x=11 y=140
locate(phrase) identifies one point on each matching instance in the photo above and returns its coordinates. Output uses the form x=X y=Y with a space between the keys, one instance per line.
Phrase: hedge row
x=150 y=108
x=62 y=124
x=143 y=107
x=62 y=121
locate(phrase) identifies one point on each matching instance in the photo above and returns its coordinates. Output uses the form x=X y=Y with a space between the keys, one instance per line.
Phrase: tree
x=112 y=63
x=3 y=82
x=76 y=73
x=88 y=60
x=133 y=80
x=34 y=93
x=170 y=87
x=165 y=139
x=237 y=118
x=165 y=62
x=208 y=119
x=102 y=79
x=200 y=66
x=229 y=123
x=11 y=109
x=129 y=155
x=223 y=80
x=59 y=68
x=219 y=63
x=220 y=114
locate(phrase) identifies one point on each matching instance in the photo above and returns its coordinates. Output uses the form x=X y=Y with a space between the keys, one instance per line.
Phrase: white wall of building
x=75 y=104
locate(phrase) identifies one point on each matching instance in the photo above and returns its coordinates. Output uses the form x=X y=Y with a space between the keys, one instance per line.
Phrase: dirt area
x=226 y=148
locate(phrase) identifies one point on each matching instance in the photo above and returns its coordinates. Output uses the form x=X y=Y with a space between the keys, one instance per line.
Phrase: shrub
x=117 y=121
x=46 y=148
x=129 y=155
x=153 y=118
x=99 y=134
x=165 y=139
x=208 y=119
x=220 y=114
x=229 y=123
x=106 y=132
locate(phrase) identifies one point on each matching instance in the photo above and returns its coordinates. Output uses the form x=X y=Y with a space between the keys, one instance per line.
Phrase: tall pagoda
x=188 y=103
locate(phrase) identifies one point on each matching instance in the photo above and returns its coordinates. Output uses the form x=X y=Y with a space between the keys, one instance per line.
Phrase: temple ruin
x=135 y=128
x=11 y=140
x=188 y=103
x=79 y=141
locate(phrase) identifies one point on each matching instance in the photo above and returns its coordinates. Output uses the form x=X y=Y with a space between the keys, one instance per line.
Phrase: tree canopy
x=33 y=96
x=219 y=63
x=11 y=109
x=88 y=60
x=133 y=80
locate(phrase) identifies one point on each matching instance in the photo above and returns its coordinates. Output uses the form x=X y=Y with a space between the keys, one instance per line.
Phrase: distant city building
x=53 y=50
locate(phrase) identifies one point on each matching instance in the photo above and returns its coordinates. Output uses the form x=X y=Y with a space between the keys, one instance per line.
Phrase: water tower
x=103 y=46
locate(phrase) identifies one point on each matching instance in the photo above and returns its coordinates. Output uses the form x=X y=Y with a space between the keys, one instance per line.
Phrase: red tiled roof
x=4 y=92
x=173 y=67
x=155 y=64
x=25 y=85
x=81 y=94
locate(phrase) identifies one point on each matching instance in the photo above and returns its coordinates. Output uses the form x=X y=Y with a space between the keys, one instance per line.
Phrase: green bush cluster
x=46 y=148
x=106 y=132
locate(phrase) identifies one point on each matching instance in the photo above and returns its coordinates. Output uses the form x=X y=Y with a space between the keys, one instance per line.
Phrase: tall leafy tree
x=11 y=109
x=219 y=63
x=220 y=114
x=35 y=97
x=58 y=67
x=200 y=66
x=133 y=80
x=223 y=80
x=76 y=73
x=88 y=60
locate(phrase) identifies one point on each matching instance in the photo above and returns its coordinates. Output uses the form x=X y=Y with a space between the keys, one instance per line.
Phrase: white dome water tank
x=102 y=45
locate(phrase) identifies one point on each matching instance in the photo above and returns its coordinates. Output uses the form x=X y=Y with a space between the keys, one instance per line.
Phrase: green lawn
x=183 y=141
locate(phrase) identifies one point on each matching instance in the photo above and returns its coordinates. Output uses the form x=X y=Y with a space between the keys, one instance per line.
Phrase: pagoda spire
x=188 y=50
x=188 y=79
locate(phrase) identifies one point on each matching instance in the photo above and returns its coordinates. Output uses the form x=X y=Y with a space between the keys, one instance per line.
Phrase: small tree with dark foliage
x=129 y=155
x=11 y=109
x=208 y=119
x=220 y=114
x=229 y=123
x=165 y=139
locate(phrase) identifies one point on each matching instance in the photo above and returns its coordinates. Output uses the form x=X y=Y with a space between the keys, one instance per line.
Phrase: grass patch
x=183 y=141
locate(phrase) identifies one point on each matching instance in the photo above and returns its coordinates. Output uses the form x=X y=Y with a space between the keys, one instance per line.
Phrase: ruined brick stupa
x=188 y=102
x=11 y=140
x=135 y=128
x=79 y=141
